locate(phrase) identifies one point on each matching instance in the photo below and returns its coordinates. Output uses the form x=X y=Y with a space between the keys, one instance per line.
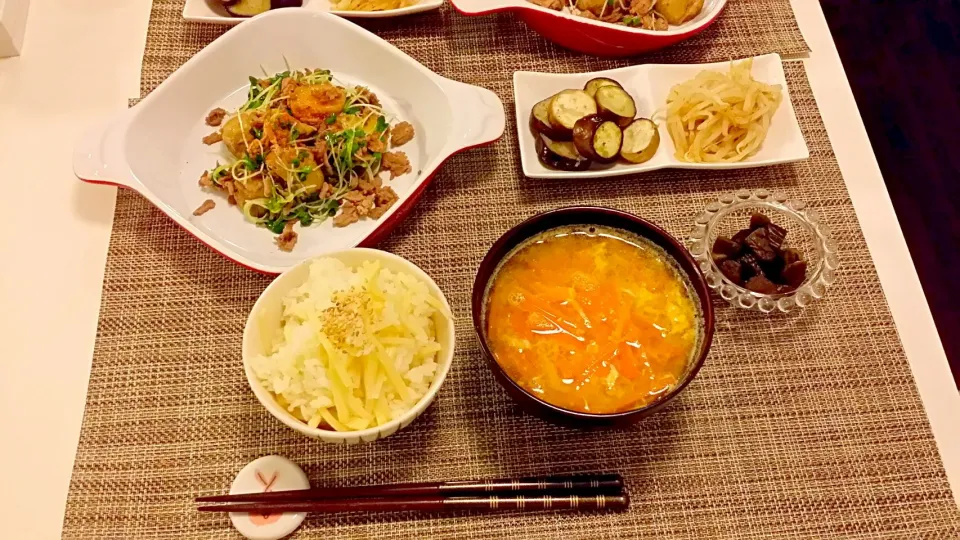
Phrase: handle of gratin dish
x=98 y=156
x=482 y=7
x=479 y=115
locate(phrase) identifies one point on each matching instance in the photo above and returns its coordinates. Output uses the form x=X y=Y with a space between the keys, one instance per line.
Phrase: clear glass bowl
x=805 y=232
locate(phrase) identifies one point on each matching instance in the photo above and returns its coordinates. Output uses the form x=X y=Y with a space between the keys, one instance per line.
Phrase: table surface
x=95 y=50
x=881 y=48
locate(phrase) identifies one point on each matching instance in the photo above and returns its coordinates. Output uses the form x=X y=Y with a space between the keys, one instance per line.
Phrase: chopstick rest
x=268 y=474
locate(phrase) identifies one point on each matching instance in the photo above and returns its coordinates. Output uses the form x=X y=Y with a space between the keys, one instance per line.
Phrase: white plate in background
x=155 y=149
x=649 y=85
x=211 y=11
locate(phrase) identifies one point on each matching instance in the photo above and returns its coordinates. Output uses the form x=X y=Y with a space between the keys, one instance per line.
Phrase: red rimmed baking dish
x=593 y=37
x=590 y=215
x=155 y=147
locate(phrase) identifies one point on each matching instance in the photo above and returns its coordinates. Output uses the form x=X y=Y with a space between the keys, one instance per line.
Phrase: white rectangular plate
x=210 y=11
x=649 y=85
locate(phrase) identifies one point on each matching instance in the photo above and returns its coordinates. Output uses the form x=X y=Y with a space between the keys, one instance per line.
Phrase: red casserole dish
x=589 y=36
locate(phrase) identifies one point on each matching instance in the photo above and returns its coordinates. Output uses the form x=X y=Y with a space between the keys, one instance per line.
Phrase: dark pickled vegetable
x=756 y=259
x=791 y=256
x=758 y=243
x=732 y=270
x=758 y=220
x=772 y=268
x=726 y=246
x=741 y=236
x=794 y=273
x=776 y=235
x=761 y=285
x=751 y=266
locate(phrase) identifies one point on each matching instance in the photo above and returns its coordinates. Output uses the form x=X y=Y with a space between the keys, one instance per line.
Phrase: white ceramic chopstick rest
x=269 y=473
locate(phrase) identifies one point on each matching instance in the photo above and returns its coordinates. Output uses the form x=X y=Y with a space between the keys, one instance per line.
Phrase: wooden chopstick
x=433 y=504
x=552 y=485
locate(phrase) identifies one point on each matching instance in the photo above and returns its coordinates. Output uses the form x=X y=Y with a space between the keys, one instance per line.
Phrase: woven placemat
x=803 y=426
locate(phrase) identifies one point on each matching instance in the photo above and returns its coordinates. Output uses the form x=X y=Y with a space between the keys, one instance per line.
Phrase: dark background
x=902 y=58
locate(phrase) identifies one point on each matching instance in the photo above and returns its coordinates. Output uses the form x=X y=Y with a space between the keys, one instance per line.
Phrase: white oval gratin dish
x=649 y=85
x=209 y=11
x=155 y=148
x=264 y=321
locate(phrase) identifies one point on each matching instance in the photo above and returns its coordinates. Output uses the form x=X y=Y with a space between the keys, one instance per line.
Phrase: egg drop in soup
x=592 y=319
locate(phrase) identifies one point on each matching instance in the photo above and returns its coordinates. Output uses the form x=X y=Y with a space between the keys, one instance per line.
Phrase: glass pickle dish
x=805 y=233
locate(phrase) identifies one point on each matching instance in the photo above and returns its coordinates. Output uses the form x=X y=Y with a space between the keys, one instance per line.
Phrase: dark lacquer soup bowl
x=683 y=263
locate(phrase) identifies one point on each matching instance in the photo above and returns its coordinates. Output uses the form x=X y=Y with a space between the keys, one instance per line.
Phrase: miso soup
x=592 y=319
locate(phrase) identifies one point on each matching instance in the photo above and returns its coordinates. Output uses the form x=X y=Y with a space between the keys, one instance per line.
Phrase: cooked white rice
x=357 y=349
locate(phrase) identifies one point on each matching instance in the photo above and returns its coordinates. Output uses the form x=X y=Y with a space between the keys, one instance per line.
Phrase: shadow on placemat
x=801 y=427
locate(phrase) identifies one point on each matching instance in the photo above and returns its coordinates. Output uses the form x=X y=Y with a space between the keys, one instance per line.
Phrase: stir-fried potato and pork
x=646 y=14
x=306 y=148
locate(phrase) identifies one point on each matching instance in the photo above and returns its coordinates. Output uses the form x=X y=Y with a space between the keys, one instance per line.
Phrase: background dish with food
x=593 y=36
x=264 y=337
x=592 y=318
x=721 y=117
x=804 y=233
x=215 y=12
x=601 y=218
x=645 y=14
x=148 y=146
x=303 y=148
x=575 y=128
x=649 y=85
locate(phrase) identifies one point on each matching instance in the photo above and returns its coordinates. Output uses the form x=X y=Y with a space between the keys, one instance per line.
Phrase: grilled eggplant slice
x=583 y=134
x=554 y=160
x=248 y=8
x=598 y=139
x=565 y=149
x=569 y=106
x=540 y=121
x=597 y=83
x=640 y=141
x=607 y=140
x=614 y=103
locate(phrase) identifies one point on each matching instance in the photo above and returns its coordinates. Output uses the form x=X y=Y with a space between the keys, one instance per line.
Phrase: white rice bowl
x=347 y=348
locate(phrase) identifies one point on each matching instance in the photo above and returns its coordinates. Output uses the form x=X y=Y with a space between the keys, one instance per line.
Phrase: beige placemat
x=798 y=427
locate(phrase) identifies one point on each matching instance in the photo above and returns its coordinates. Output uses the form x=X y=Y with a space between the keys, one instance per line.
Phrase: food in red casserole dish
x=646 y=14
